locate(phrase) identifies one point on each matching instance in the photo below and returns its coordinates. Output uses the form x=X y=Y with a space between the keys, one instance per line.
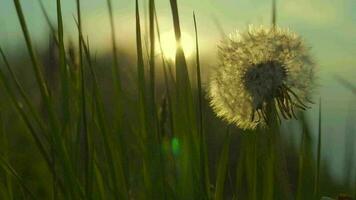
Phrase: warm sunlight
x=169 y=45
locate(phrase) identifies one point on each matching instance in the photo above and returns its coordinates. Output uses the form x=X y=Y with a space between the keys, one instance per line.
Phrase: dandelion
x=260 y=71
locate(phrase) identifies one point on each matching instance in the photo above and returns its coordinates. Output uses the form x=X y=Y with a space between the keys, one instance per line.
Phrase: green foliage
x=87 y=144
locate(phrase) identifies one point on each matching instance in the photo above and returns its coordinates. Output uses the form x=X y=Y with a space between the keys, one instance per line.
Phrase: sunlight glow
x=169 y=45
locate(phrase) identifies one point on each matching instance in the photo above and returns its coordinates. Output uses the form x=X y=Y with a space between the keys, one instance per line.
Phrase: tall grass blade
x=10 y=170
x=301 y=167
x=23 y=94
x=141 y=75
x=167 y=72
x=251 y=163
x=26 y=119
x=152 y=50
x=6 y=188
x=222 y=168
x=143 y=110
x=117 y=175
x=274 y=13
x=203 y=151
x=118 y=95
x=346 y=84
x=63 y=69
x=34 y=60
x=317 y=173
x=269 y=184
x=115 y=68
x=83 y=101
x=185 y=125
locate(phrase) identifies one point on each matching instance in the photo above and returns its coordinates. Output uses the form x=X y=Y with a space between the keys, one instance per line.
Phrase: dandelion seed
x=260 y=69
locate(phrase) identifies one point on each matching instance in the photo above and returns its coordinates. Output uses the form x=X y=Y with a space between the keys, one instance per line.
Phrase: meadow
x=74 y=125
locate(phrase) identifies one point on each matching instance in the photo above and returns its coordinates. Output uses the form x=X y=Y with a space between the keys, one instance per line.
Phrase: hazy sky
x=328 y=26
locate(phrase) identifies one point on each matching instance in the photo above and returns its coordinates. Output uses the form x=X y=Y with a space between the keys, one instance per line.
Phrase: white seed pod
x=258 y=68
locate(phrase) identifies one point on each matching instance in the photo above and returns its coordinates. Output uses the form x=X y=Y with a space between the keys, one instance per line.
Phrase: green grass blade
x=83 y=101
x=10 y=170
x=26 y=119
x=57 y=141
x=6 y=189
x=269 y=173
x=34 y=60
x=185 y=126
x=167 y=74
x=152 y=50
x=23 y=94
x=48 y=21
x=274 y=13
x=346 y=84
x=301 y=167
x=222 y=168
x=63 y=69
x=140 y=72
x=116 y=170
x=115 y=69
x=318 y=157
x=251 y=164
x=203 y=148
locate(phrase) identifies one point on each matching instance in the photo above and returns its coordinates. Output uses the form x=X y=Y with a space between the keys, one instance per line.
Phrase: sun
x=169 y=45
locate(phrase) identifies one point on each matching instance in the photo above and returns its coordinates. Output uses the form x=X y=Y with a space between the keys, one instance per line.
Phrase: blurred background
x=328 y=27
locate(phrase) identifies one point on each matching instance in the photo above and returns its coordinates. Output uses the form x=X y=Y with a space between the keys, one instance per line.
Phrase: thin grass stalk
x=43 y=87
x=167 y=81
x=34 y=60
x=155 y=142
x=36 y=67
x=7 y=186
x=251 y=164
x=181 y=64
x=58 y=146
x=222 y=167
x=152 y=110
x=168 y=97
x=114 y=46
x=301 y=165
x=87 y=156
x=140 y=69
x=185 y=119
x=143 y=110
x=25 y=118
x=152 y=64
x=269 y=186
x=23 y=94
x=51 y=27
x=347 y=84
x=152 y=50
x=274 y=13
x=63 y=68
x=48 y=21
x=203 y=149
x=115 y=69
x=281 y=168
x=240 y=167
x=99 y=181
x=9 y=169
x=119 y=186
x=317 y=173
x=39 y=144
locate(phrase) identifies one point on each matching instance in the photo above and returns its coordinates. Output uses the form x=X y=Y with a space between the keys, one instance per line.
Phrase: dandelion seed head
x=257 y=67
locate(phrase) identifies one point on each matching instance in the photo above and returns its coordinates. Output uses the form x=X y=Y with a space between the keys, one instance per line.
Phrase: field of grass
x=77 y=126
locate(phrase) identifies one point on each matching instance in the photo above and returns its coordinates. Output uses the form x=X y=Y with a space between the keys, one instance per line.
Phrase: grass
x=88 y=144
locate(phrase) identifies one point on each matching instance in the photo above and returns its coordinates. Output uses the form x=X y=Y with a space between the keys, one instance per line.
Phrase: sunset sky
x=328 y=27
